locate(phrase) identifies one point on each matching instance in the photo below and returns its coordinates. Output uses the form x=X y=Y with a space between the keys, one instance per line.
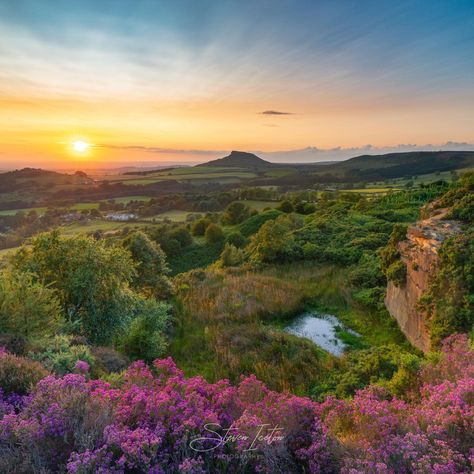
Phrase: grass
x=230 y=323
x=260 y=205
x=221 y=330
x=97 y=225
x=175 y=216
x=369 y=190
x=12 y=212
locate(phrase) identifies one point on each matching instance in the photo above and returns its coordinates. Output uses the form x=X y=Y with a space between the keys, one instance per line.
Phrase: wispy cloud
x=275 y=112
x=172 y=151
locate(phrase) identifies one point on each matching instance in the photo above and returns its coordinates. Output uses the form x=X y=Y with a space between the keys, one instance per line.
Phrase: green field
x=12 y=212
x=199 y=174
x=95 y=225
x=370 y=190
x=175 y=216
x=260 y=205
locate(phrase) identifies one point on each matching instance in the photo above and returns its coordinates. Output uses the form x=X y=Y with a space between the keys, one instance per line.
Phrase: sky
x=170 y=81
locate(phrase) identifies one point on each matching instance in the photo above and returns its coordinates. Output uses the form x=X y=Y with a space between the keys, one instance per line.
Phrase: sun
x=80 y=146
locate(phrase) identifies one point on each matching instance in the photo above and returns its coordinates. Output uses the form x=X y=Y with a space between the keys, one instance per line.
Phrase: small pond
x=322 y=329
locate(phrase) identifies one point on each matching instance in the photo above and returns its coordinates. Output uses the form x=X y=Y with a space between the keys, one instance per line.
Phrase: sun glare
x=80 y=146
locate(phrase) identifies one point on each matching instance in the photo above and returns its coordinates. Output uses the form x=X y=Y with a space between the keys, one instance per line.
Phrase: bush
x=152 y=270
x=214 y=234
x=90 y=277
x=397 y=273
x=60 y=355
x=199 y=227
x=108 y=360
x=235 y=213
x=14 y=343
x=145 y=338
x=251 y=225
x=286 y=206
x=27 y=307
x=237 y=240
x=182 y=235
x=19 y=374
x=231 y=256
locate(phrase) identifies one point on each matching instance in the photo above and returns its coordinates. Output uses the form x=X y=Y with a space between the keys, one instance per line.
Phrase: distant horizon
x=308 y=155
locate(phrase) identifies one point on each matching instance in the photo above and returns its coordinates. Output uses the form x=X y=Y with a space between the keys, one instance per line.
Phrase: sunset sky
x=179 y=80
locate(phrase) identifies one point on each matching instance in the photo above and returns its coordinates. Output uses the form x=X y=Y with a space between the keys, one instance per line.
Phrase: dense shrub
x=14 y=343
x=286 y=206
x=90 y=278
x=19 y=374
x=108 y=360
x=214 y=234
x=60 y=355
x=199 y=227
x=251 y=225
x=236 y=239
x=145 y=338
x=397 y=273
x=27 y=307
x=274 y=241
x=151 y=268
x=235 y=213
x=231 y=256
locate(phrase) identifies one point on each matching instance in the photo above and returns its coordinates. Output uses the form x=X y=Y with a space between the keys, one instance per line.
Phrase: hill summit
x=239 y=159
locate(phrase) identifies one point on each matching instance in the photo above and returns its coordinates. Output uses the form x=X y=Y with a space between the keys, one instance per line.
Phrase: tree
x=182 y=235
x=286 y=206
x=235 y=213
x=152 y=270
x=231 y=256
x=273 y=241
x=144 y=338
x=199 y=227
x=27 y=307
x=90 y=277
x=214 y=234
x=236 y=239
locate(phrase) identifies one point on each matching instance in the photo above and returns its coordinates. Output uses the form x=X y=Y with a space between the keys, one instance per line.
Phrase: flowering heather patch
x=158 y=421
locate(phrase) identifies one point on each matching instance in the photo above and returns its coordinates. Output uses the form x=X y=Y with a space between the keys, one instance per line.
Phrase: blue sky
x=342 y=69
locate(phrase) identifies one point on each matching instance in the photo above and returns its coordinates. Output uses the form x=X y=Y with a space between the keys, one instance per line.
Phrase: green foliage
x=449 y=300
x=286 y=207
x=195 y=256
x=152 y=270
x=182 y=235
x=19 y=374
x=27 y=307
x=214 y=234
x=392 y=266
x=199 y=227
x=274 y=241
x=235 y=213
x=60 y=354
x=231 y=256
x=397 y=273
x=236 y=239
x=91 y=279
x=145 y=338
x=251 y=225
x=386 y=365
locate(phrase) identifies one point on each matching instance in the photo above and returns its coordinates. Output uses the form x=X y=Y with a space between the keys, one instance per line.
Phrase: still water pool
x=321 y=329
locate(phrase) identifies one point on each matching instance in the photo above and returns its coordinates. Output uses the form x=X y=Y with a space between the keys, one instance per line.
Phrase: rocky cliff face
x=420 y=254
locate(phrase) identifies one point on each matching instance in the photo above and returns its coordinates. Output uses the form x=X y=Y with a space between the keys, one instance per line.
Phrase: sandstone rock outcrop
x=420 y=254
